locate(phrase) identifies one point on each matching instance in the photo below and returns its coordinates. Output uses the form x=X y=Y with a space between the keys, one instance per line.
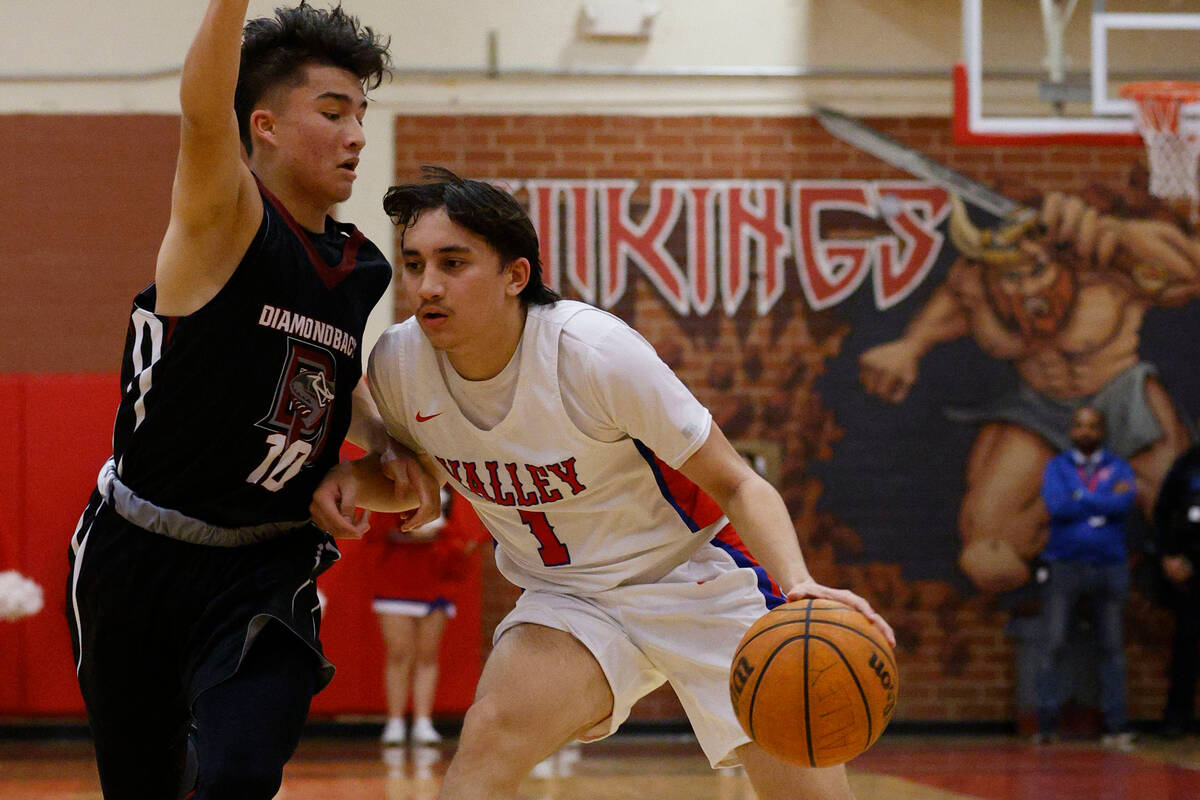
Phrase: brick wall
x=784 y=148
x=86 y=200
x=757 y=373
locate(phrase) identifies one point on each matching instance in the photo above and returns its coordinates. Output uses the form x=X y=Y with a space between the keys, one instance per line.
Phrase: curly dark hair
x=275 y=51
x=481 y=208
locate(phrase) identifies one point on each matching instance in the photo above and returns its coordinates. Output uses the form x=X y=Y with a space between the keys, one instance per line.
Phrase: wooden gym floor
x=899 y=767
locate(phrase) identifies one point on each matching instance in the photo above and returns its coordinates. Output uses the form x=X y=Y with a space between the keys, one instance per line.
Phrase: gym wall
x=873 y=489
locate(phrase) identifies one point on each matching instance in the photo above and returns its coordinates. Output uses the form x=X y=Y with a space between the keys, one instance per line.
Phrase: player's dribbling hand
x=334 y=508
x=811 y=588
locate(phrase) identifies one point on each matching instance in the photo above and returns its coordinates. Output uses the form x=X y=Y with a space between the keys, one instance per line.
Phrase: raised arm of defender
x=215 y=205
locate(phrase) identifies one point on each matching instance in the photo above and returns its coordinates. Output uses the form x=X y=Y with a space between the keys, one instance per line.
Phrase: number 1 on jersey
x=553 y=552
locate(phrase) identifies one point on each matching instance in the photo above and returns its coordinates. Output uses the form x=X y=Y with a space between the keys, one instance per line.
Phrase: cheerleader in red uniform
x=415 y=575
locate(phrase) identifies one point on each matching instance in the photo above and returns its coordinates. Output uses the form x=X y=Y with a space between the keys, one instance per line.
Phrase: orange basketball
x=813 y=682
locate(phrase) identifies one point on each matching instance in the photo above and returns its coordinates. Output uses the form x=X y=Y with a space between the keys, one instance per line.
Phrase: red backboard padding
x=60 y=433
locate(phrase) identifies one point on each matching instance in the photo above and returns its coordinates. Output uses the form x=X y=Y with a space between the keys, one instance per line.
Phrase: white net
x=1172 y=138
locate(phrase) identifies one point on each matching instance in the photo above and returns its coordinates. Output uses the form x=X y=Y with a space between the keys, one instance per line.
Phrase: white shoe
x=393 y=731
x=423 y=732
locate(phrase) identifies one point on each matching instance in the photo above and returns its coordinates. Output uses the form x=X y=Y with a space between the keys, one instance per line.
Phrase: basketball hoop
x=1172 y=138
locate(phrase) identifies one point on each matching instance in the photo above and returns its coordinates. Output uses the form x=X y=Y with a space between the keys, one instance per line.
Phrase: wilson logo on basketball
x=742 y=671
x=885 y=680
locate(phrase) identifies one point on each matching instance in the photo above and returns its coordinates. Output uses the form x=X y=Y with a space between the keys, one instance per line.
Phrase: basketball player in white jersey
x=596 y=471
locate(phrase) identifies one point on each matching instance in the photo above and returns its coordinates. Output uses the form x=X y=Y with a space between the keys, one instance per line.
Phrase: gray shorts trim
x=169 y=522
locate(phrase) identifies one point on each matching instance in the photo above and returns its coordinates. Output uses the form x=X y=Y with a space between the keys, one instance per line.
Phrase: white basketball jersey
x=567 y=511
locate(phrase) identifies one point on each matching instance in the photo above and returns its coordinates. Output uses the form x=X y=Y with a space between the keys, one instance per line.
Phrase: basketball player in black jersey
x=191 y=597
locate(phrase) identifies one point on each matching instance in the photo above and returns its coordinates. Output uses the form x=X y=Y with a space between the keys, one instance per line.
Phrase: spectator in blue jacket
x=1089 y=493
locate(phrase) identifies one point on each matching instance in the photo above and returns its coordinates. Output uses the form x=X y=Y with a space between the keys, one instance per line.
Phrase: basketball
x=814 y=682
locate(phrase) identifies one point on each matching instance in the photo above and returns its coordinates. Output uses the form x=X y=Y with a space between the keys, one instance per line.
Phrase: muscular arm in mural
x=1162 y=261
x=889 y=370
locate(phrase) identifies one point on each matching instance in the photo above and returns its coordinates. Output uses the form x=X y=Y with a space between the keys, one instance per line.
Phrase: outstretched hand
x=334 y=506
x=811 y=588
x=407 y=472
x=394 y=481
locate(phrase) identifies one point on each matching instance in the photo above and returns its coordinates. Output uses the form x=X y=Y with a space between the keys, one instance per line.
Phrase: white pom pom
x=19 y=596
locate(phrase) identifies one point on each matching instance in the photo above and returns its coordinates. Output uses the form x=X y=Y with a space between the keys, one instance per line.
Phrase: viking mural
x=1062 y=298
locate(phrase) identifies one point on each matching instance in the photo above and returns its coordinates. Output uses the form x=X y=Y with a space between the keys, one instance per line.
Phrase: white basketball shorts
x=684 y=628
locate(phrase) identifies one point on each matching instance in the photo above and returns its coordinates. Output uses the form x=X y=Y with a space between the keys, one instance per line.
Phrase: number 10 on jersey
x=280 y=465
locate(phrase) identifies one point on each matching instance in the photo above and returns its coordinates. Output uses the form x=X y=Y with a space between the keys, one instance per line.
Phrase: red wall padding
x=68 y=435
x=12 y=434
x=58 y=436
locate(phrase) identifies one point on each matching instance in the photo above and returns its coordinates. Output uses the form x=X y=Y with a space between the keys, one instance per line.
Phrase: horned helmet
x=995 y=248
x=1027 y=288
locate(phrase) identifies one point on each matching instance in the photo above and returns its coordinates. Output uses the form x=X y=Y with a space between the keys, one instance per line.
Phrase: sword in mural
x=885 y=148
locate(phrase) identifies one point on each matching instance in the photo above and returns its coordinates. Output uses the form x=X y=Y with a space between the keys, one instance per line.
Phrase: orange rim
x=1183 y=91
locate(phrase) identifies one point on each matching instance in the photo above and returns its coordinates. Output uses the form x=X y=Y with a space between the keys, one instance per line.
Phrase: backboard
x=1050 y=71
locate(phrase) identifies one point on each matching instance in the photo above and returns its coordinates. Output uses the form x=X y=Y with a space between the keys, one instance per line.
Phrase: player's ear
x=262 y=125
x=518 y=276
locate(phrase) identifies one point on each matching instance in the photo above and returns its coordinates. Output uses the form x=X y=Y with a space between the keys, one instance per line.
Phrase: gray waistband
x=170 y=522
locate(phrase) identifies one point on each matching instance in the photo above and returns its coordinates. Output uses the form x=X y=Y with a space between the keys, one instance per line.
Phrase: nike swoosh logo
x=426 y=419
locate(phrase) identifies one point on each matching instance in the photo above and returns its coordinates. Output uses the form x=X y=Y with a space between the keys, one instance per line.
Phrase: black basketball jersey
x=233 y=414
